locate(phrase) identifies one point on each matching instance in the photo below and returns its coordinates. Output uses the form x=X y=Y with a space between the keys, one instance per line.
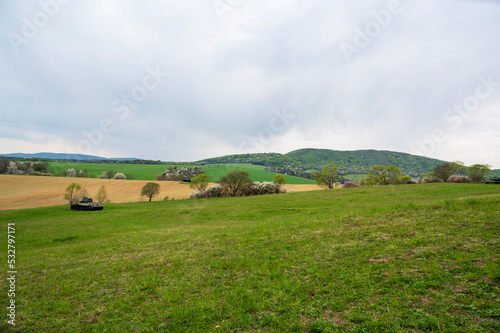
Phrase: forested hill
x=357 y=162
x=363 y=160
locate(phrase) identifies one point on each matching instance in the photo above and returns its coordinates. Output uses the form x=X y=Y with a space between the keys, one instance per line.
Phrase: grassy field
x=138 y=171
x=413 y=258
x=257 y=173
x=151 y=171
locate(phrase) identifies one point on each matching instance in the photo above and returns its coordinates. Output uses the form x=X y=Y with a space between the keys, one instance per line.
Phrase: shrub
x=213 y=191
x=257 y=188
x=104 y=175
x=71 y=173
x=217 y=190
x=120 y=175
x=459 y=179
x=350 y=184
x=12 y=168
x=431 y=179
x=102 y=195
x=279 y=179
x=405 y=180
x=81 y=174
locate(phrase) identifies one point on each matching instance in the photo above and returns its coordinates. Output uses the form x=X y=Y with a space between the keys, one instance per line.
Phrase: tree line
x=454 y=172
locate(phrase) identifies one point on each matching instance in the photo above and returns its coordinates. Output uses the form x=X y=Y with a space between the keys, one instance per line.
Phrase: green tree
x=328 y=176
x=404 y=180
x=150 y=190
x=383 y=175
x=74 y=192
x=235 y=181
x=478 y=172
x=279 y=179
x=200 y=182
x=444 y=171
x=459 y=168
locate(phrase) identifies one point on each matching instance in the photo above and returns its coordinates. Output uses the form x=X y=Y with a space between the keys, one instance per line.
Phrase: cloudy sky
x=187 y=80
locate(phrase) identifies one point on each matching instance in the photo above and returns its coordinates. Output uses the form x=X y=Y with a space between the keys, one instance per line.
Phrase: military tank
x=86 y=204
x=493 y=180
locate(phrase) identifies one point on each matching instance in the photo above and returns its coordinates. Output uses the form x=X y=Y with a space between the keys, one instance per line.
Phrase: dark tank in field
x=493 y=180
x=86 y=204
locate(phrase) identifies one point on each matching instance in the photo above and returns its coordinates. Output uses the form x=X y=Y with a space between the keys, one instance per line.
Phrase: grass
x=415 y=258
x=151 y=171
x=257 y=173
x=138 y=171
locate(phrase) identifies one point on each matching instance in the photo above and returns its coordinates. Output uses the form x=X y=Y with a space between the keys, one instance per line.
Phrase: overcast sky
x=187 y=80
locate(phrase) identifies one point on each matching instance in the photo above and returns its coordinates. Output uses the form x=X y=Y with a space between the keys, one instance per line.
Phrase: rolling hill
x=299 y=163
x=302 y=161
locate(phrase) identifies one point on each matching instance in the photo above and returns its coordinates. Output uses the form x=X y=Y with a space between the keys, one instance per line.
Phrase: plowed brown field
x=20 y=192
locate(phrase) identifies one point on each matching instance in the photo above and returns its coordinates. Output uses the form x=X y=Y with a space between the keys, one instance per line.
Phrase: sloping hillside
x=300 y=161
x=360 y=161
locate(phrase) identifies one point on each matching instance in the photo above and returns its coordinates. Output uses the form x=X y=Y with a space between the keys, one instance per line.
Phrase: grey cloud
x=226 y=77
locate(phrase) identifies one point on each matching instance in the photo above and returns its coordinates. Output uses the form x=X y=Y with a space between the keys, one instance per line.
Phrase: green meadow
x=151 y=171
x=257 y=173
x=409 y=258
x=138 y=171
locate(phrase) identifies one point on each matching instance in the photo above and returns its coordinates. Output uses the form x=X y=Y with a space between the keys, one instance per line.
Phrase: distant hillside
x=301 y=162
x=266 y=159
x=495 y=173
x=57 y=156
x=361 y=161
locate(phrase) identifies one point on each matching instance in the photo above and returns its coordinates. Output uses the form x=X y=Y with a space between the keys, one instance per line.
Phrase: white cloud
x=227 y=77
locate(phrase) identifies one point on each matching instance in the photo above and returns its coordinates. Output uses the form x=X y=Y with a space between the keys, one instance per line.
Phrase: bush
x=104 y=175
x=279 y=179
x=71 y=173
x=213 y=191
x=459 y=179
x=102 y=195
x=217 y=190
x=405 y=180
x=120 y=175
x=350 y=184
x=431 y=179
x=81 y=174
x=12 y=168
x=257 y=188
